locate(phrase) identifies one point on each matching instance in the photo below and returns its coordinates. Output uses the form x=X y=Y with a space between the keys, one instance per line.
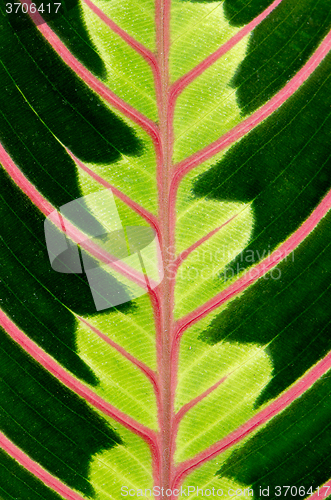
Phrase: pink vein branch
x=72 y=383
x=182 y=256
x=36 y=470
x=149 y=217
x=150 y=374
x=184 y=409
x=46 y=208
x=263 y=416
x=132 y=42
x=257 y=271
x=185 y=80
x=182 y=412
x=137 y=46
x=101 y=89
x=256 y=118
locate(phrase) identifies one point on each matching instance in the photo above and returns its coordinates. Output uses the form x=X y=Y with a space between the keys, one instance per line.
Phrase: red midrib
x=177 y=474
x=164 y=317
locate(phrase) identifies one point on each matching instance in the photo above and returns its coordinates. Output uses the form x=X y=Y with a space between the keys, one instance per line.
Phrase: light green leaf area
x=248 y=369
x=189 y=206
x=127 y=464
x=136 y=17
x=110 y=285
x=204 y=477
x=128 y=74
x=200 y=275
x=208 y=108
x=134 y=176
x=133 y=329
x=196 y=217
x=120 y=382
x=127 y=215
x=197 y=30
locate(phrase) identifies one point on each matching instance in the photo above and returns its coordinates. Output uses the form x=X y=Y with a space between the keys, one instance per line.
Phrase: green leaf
x=195 y=353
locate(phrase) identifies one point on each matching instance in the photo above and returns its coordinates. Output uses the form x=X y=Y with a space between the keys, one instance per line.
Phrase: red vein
x=255 y=119
x=148 y=216
x=104 y=256
x=183 y=255
x=37 y=470
x=263 y=416
x=132 y=42
x=24 y=184
x=257 y=271
x=150 y=374
x=155 y=298
x=72 y=383
x=185 y=80
x=188 y=406
x=101 y=89
x=48 y=210
x=165 y=292
x=157 y=314
x=182 y=412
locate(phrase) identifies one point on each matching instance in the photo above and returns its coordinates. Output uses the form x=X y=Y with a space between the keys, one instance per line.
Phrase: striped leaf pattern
x=205 y=124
